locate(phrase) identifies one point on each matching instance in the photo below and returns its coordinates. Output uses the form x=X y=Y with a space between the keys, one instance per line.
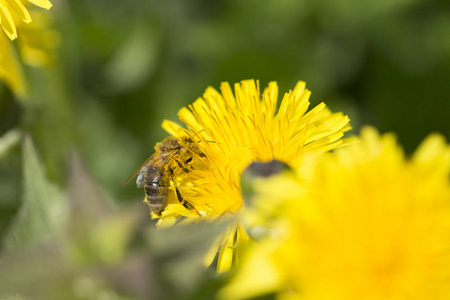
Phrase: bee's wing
x=154 y=167
x=140 y=170
x=152 y=170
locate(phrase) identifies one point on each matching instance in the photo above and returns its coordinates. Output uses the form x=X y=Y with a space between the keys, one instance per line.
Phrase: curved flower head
x=371 y=225
x=15 y=9
x=234 y=129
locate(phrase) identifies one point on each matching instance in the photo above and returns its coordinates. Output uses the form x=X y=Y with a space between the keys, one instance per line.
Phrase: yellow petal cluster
x=10 y=69
x=38 y=40
x=35 y=48
x=234 y=129
x=11 y=9
x=370 y=224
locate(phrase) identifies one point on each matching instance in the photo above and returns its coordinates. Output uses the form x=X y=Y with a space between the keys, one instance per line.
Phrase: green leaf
x=180 y=251
x=108 y=241
x=87 y=201
x=42 y=212
x=32 y=272
x=88 y=212
x=9 y=140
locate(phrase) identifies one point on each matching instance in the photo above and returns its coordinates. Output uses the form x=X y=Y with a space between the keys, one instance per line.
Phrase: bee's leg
x=191 y=167
x=183 y=202
x=182 y=167
x=187 y=161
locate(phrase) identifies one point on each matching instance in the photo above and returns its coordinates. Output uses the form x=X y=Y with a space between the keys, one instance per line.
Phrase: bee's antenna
x=195 y=134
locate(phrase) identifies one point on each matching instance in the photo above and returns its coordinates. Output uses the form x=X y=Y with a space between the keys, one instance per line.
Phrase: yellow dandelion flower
x=38 y=40
x=15 y=8
x=35 y=47
x=371 y=225
x=236 y=129
x=10 y=69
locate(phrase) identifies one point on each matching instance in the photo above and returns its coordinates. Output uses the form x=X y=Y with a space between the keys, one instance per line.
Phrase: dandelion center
x=239 y=158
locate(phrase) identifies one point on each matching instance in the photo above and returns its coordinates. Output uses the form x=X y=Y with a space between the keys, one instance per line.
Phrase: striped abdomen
x=156 y=189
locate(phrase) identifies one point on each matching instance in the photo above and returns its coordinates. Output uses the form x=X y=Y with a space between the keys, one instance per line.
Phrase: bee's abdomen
x=156 y=193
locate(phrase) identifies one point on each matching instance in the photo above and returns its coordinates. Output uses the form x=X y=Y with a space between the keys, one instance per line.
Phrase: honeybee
x=155 y=174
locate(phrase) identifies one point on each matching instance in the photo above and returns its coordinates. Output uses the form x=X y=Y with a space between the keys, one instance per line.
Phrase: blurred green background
x=124 y=66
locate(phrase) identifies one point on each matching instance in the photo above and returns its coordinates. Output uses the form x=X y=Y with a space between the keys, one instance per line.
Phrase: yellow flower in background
x=235 y=129
x=38 y=40
x=369 y=225
x=35 y=47
x=10 y=69
x=16 y=8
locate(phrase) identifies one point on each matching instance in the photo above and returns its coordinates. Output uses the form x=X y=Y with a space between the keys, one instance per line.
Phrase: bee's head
x=192 y=145
x=187 y=140
x=168 y=144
